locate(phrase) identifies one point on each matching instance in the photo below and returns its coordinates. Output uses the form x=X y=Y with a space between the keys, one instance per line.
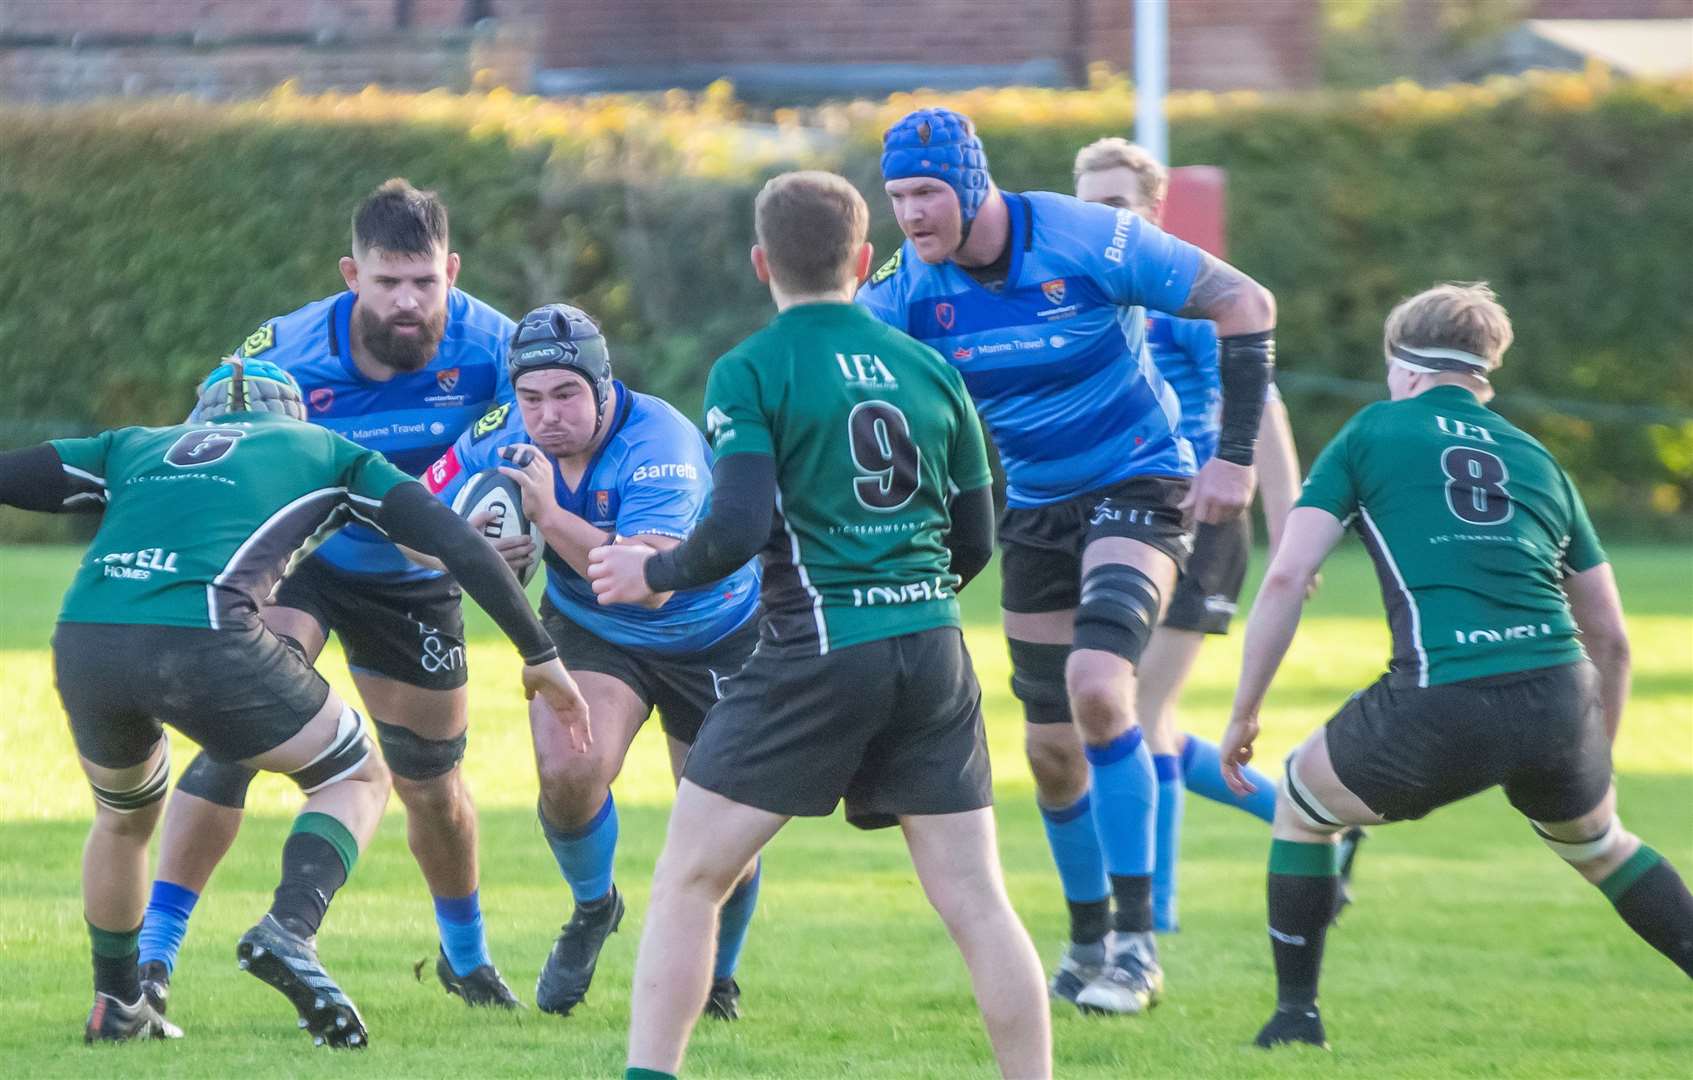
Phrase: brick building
x=57 y=50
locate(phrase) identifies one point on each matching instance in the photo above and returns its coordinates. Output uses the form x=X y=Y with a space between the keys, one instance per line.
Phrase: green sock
x=116 y=956
x=632 y=1073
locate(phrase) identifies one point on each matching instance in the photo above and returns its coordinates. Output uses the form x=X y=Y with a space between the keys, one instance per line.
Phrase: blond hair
x=1465 y=316
x=811 y=226
x=1119 y=153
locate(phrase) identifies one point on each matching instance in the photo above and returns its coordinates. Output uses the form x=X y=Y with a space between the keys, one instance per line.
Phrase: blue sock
x=1202 y=768
x=585 y=855
x=1125 y=798
x=1074 y=840
x=1170 y=798
x=166 y=922
x=462 y=937
x=732 y=924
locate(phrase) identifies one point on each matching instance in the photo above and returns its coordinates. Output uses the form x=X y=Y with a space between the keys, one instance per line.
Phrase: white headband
x=1430 y=359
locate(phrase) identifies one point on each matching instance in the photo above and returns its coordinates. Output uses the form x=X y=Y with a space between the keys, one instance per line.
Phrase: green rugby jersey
x=1473 y=527
x=873 y=434
x=201 y=518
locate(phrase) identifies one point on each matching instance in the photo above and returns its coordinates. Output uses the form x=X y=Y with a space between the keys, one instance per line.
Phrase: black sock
x=1090 y=920
x=312 y=870
x=1133 y=894
x=1654 y=902
x=117 y=957
x=1303 y=889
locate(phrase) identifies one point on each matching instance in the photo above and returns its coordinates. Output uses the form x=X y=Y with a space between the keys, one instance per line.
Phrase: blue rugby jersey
x=651 y=475
x=1185 y=352
x=1056 y=361
x=411 y=419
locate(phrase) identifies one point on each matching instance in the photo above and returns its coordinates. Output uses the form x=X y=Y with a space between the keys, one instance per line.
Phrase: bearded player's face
x=401 y=310
x=928 y=214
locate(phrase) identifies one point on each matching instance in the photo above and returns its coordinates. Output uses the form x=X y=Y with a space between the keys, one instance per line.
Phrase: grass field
x=1471 y=951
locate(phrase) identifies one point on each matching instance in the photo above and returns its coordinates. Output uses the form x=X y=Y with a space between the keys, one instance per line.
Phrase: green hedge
x=137 y=242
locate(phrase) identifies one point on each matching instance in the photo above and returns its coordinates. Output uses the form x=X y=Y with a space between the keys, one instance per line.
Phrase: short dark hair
x=399 y=218
x=810 y=225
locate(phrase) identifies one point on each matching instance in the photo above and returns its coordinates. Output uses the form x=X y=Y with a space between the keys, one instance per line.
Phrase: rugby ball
x=493 y=491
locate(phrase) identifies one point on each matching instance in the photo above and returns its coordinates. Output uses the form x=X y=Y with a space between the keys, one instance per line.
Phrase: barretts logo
x=946 y=315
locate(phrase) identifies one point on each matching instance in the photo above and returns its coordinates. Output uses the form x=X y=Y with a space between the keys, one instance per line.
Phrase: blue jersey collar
x=575 y=501
x=1020 y=234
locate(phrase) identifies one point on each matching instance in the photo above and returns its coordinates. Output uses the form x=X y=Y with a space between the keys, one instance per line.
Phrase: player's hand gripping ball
x=493 y=504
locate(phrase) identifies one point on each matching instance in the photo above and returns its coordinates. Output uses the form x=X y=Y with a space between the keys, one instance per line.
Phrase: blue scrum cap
x=940 y=144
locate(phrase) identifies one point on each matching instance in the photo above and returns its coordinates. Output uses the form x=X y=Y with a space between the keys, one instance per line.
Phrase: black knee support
x=1118 y=611
x=221 y=782
x=149 y=791
x=1037 y=680
x=346 y=752
x=412 y=757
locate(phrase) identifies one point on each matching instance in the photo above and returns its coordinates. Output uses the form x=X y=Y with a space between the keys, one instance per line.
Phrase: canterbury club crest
x=449 y=378
x=1054 y=290
x=946 y=315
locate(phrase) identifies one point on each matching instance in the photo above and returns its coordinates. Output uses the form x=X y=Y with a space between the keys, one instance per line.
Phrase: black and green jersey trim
x=1403 y=617
x=256 y=564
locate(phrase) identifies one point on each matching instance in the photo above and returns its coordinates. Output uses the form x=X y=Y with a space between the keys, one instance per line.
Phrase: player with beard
x=401 y=363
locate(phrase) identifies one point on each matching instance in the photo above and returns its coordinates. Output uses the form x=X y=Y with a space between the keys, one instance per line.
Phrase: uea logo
x=321 y=399
x=447 y=379
x=946 y=315
x=1054 y=290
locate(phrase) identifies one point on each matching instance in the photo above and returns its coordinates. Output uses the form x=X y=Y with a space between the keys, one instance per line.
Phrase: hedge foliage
x=137 y=242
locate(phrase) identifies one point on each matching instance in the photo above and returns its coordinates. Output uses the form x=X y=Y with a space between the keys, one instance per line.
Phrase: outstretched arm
x=1311 y=534
x=35 y=478
x=411 y=516
x=743 y=505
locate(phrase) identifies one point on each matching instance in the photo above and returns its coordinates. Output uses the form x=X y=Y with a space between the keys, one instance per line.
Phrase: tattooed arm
x=1236 y=303
x=1245 y=314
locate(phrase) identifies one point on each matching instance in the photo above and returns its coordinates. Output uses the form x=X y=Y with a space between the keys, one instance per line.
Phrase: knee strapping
x=344 y=754
x=1037 y=680
x=1582 y=851
x=222 y=782
x=1118 y=611
x=412 y=757
x=144 y=794
x=1306 y=804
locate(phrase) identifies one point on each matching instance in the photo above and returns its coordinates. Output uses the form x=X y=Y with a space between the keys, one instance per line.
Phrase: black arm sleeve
x=34 y=479
x=411 y=516
x=971 y=537
x=1246 y=366
x=743 y=504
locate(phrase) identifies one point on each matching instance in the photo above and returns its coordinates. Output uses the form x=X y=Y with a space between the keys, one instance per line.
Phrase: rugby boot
x=570 y=966
x=1132 y=981
x=1295 y=1025
x=724 y=1001
x=110 y=1020
x=155 y=983
x=1080 y=965
x=482 y=986
x=1350 y=840
x=288 y=963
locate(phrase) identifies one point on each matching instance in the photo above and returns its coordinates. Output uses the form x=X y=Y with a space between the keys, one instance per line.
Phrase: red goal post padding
x=1194 y=209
